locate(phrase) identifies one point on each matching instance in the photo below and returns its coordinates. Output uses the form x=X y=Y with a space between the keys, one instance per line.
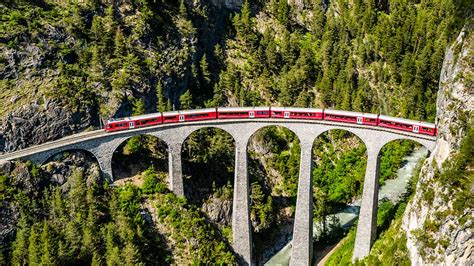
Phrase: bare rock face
x=35 y=124
x=230 y=4
x=218 y=210
x=453 y=243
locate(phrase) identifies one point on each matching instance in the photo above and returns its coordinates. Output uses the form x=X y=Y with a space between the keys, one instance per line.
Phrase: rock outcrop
x=35 y=124
x=432 y=206
x=218 y=210
x=230 y=4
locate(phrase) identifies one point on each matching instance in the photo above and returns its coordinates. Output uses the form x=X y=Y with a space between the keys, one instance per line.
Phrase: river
x=392 y=190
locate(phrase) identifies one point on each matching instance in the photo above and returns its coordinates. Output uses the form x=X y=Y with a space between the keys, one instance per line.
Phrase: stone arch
x=86 y=159
x=428 y=144
x=354 y=131
x=273 y=193
x=131 y=165
x=51 y=156
x=193 y=129
x=397 y=150
x=194 y=172
x=367 y=225
x=340 y=161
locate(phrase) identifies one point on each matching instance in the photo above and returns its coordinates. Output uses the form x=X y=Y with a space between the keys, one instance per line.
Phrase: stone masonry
x=103 y=145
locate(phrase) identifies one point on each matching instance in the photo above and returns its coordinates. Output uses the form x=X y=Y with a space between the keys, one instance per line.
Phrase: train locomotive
x=271 y=112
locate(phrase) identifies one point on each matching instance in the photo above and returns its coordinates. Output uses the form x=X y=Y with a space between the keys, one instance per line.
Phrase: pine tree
x=57 y=208
x=112 y=251
x=48 y=250
x=131 y=255
x=160 y=104
x=77 y=194
x=119 y=44
x=139 y=107
x=20 y=246
x=245 y=16
x=96 y=259
x=186 y=100
x=283 y=12
x=182 y=9
x=206 y=75
x=219 y=53
x=168 y=105
x=34 y=254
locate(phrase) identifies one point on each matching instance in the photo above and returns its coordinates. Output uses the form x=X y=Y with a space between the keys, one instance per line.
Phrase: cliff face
x=64 y=65
x=437 y=230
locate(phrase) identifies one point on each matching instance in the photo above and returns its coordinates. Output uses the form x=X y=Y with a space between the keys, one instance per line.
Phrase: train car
x=134 y=122
x=243 y=112
x=407 y=125
x=189 y=115
x=146 y=120
x=296 y=113
x=350 y=117
x=117 y=124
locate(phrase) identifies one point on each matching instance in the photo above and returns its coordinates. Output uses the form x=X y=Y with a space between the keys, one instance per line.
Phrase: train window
x=170 y=117
x=233 y=113
x=262 y=112
x=198 y=115
x=342 y=117
x=276 y=113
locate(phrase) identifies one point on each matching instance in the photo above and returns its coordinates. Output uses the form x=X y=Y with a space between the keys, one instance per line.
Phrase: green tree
x=48 y=256
x=160 y=98
x=283 y=12
x=186 y=100
x=20 y=245
x=206 y=75
x=34 y=253
x=138 y=107
x=119 y=44
x=182 y=9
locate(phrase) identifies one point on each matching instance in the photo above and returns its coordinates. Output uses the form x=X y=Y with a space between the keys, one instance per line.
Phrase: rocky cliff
x=64 y=65
x=439 y=220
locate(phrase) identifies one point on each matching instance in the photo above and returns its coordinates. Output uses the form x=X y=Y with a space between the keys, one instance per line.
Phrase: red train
x=271 y=112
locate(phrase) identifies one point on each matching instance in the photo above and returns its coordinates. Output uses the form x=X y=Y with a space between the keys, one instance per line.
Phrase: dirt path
x=327 y=252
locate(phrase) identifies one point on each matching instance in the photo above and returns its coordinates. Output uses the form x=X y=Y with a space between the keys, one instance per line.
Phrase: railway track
x=100 y=133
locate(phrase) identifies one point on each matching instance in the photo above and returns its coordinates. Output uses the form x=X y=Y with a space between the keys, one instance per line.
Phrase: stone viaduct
x=103 y=145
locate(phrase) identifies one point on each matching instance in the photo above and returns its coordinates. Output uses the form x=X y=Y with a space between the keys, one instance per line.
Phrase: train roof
x=137 y=117
x=237 y=109
x=406 y=121
x=121 y=119
x=340 y=112
x=296 y=109
x=187 y=112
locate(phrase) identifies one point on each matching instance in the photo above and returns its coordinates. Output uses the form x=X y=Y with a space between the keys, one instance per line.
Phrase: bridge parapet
x=103 y=145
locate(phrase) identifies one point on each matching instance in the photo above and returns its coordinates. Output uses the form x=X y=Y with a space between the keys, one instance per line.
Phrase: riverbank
x=392 y=190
